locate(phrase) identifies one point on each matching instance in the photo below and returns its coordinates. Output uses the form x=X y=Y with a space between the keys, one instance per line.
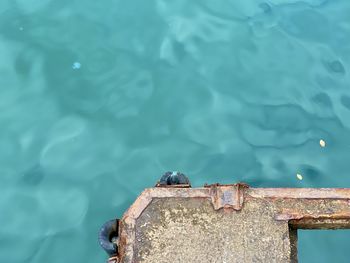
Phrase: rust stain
x=114 y=259
x=227 y=196
x=123 y=237
x=240 y=184
x=300 y=215
x=300 y=193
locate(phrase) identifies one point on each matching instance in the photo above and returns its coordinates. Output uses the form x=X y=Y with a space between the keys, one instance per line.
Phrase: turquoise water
x=99 y=98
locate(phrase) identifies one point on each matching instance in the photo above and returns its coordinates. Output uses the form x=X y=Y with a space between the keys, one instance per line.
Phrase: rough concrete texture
x=190 y=230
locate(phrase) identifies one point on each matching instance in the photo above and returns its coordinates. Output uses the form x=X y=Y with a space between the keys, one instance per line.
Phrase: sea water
x=99 y=98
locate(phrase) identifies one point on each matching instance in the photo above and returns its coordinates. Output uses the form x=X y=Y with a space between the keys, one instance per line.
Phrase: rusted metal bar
x=226 y=223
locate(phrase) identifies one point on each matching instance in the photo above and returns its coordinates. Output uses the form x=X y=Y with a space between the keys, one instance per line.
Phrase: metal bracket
x=227 y=196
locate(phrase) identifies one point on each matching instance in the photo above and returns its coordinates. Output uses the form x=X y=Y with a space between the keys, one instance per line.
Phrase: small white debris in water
x=322 y=143
x=300 y=177
x=21 y=28
x=76 y=65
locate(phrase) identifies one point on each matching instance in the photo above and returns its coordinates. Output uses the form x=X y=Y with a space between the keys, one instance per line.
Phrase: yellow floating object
x=322 y=143
x=300 y=177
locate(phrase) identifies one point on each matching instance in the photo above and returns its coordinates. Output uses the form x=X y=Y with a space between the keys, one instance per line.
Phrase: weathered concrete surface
x=190 y=225
x=192 y=231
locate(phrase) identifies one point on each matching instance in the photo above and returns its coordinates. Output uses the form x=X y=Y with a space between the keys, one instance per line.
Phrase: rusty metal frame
x=232 y=197
x=334 y=219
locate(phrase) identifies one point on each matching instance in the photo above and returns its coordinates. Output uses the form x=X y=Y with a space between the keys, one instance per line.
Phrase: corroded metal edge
x=227 y=196
x=304 y=193
x=285 y=216
x=298 y=219
x=128 y=231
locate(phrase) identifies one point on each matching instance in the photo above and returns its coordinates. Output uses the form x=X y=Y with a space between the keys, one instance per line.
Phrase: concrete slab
x=226 y=223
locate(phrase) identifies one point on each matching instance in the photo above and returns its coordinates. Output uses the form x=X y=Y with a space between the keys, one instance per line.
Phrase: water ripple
x=99 y=98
